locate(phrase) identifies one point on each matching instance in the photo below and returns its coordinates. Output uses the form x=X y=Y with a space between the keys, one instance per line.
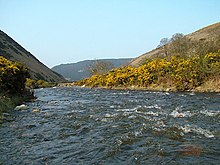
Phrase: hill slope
x=77 y=71
x=11 y=50
x=210 y=32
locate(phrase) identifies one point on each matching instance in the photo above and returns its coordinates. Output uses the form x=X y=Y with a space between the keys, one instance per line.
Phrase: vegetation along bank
x=174 y=73
x=15 y=85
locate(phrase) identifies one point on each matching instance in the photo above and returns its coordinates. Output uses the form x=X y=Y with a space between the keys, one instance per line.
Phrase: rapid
x=94 y=126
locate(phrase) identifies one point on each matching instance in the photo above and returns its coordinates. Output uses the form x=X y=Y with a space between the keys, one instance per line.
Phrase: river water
x=94 y=126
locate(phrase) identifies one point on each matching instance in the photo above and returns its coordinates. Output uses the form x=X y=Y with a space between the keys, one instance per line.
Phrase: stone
x=21 y=107
x=191 y=150
x=35 y=110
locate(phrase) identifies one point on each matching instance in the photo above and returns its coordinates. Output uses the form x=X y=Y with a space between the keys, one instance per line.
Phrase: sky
x=68 y=31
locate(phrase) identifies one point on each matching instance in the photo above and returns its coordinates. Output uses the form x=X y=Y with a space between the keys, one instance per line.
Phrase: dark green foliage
x=12 y=77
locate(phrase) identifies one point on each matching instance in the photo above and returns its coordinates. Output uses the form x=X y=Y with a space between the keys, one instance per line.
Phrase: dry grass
x=210 y=85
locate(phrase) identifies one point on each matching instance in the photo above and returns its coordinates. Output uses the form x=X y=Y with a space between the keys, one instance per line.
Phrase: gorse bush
x=182 y=73
x=33 y=84
x=12 y=85
x=12 y=77
x=186 y=73
x=211 y=63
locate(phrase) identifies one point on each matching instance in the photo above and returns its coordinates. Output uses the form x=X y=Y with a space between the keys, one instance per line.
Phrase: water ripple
x=90 y=126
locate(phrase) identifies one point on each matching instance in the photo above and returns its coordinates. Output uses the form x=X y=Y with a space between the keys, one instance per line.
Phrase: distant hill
x=11 y=50
x=78 y=71
x=211 y=32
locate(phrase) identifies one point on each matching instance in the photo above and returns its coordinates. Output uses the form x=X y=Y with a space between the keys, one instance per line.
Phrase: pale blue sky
x=65 y=31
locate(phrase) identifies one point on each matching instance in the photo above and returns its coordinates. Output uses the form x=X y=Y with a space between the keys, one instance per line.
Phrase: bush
x=12 y=77
x=33 y=84
x=184 y=73
x=12 y=85
x=211 y=63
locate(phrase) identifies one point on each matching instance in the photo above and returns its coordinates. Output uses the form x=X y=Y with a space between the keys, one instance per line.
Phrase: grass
x=7 y=103
x=210 y=85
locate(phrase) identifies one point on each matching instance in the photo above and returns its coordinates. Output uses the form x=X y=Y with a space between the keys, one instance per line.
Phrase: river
x=94 y=126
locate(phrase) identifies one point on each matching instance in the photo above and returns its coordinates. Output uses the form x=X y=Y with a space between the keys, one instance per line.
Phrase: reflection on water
x=89 y=126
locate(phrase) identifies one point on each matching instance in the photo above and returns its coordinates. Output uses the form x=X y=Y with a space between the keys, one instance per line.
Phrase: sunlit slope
x=211 y=32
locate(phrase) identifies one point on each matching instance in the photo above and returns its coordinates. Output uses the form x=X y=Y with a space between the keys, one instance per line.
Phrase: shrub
x=12 y=76
x=184 y=73
x=33 y=84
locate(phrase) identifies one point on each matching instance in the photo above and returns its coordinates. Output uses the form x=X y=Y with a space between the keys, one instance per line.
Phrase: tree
x=177 y=36
x=179 y=45
x=164 y=46
x=99 y=67
x=163 y=42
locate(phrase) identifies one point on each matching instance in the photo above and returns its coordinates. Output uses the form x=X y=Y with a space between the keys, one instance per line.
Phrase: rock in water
x=21 y=107
x=35 y=110
x=191 y=150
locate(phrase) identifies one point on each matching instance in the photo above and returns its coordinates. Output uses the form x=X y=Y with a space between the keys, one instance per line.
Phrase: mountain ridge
x=78 y=70
x=13 y=51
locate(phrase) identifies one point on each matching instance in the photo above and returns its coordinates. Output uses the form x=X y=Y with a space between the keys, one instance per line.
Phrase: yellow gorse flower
x=184 y=73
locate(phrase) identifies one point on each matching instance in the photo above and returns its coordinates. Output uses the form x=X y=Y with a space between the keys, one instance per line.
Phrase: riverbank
x=9 y=102
x=176 y=73
x=211 y=85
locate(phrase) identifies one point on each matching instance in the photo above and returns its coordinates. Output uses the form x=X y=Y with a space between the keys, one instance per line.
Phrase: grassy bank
x=7 y=103
x=212 y=85
x=13 y=76
x=34 y=84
